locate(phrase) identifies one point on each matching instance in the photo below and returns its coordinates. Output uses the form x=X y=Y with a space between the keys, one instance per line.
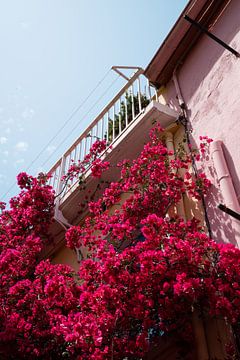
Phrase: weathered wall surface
x=210 y=83
x=66 y=256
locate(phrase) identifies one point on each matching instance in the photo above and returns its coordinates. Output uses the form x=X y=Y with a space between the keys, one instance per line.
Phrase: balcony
x=124 y=123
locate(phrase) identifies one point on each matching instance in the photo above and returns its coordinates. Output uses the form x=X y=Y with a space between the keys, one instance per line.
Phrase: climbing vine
x=147 y=270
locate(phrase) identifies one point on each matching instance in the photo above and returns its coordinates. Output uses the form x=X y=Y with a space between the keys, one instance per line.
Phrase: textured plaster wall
x=210 y=82
x=66 y=256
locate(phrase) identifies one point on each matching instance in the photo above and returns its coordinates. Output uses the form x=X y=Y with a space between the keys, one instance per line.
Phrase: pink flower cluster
x=91 y=160
x=146 y=271
x=205 y=141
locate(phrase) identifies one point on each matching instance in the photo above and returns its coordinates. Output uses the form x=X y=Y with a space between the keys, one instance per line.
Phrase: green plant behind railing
x=125 y=115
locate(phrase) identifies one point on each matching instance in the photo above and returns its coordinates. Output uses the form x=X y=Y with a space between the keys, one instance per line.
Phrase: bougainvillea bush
x=146 y=272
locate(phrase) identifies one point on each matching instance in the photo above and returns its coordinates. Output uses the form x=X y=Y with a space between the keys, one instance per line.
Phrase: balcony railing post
x=126 y=110
x=107 y=135
x=61 y=173
x=139 y=95
x=120 y=117
x=113 y=134
x=132 y=96
x=149 y=90
x=102 y=128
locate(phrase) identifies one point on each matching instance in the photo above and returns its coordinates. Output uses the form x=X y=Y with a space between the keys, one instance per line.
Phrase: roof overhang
x=182 y=38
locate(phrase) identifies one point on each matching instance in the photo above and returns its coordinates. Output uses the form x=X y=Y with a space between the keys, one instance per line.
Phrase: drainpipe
x=226 y=185
x=198 y=324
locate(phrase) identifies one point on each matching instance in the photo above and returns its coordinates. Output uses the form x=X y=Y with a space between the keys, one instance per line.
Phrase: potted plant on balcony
x=125 y=115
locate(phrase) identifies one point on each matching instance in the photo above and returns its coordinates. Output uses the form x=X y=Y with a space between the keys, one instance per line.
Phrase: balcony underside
x=126 y=146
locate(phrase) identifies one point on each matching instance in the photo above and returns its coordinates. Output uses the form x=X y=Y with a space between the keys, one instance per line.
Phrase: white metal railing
x=108 y=125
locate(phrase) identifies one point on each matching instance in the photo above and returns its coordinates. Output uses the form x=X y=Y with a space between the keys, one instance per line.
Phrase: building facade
x=193 y=70
x=190 y=85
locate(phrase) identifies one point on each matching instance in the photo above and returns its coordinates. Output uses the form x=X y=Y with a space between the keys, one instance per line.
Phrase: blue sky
x=53 y=53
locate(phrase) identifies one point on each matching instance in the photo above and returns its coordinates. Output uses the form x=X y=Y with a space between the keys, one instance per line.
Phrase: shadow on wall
x=169 y=348
x=202 y=72
x=234 y=175
x=221 y=223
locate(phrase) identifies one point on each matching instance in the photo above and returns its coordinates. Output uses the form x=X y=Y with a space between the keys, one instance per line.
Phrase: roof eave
x=181 y=39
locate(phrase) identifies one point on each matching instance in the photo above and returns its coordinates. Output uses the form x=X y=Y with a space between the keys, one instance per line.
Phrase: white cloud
x=2 y=178
x=8 y=121
x=5 y=152
x=28 y=113
x=19 y=162
x=4 y=161
x=50 y=149
x=3 y=140
x=25 y=25
x=7 y=130
x=21 y=146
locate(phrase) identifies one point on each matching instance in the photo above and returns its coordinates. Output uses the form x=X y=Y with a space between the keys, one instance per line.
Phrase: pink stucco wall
x=210 y=84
